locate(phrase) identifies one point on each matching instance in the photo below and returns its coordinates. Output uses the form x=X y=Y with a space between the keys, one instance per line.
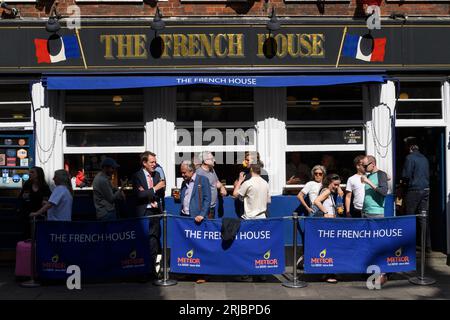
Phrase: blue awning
x=124 y=82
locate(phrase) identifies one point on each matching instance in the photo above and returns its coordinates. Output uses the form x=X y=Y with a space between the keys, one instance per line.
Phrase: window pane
x=228 y=165
x=15 y=103
x=419 y=110
x=89 y=165
x=324 y=103
x=299 y=164
x=214 y=104
x=20 y=112
x=99 y=106
x=420 y=90
x=105 y=137
x=214 y=136
x=315 y=136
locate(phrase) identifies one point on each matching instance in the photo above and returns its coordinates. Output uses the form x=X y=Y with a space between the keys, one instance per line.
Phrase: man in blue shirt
x=416 y=181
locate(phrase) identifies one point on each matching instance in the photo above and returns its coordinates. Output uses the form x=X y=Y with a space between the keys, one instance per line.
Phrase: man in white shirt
x=255 y=194
x=356 y=188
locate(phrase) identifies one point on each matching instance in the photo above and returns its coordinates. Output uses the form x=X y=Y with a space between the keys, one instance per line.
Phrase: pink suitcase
x=23 y=259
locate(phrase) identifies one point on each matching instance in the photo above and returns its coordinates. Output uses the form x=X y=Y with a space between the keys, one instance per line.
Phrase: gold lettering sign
x=201 y=45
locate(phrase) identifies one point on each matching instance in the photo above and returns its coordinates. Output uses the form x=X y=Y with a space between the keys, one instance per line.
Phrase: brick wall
x=174 y=8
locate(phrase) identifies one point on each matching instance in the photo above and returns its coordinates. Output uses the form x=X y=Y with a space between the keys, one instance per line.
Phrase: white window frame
x=99 y=150
x=326 y=124
x=25 y=125
x=427 y=122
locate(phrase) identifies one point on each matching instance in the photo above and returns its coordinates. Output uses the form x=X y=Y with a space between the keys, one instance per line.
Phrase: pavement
x=234 y=288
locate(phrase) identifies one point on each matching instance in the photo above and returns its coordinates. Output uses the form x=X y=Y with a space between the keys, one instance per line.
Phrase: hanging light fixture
x=273 y=24
x=157 y=24
x=52 y=25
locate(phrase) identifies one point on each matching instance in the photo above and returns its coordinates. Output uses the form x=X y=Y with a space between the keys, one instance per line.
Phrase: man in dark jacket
x=416 y=181
x=149 y=190
x=195 y=193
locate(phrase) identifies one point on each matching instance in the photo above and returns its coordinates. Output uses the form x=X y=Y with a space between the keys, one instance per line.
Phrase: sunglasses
x=318 y=173
x=366 y=165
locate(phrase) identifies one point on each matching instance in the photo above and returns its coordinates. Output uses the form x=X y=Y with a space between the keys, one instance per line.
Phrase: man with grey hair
x=206 y=169
x=195 y=193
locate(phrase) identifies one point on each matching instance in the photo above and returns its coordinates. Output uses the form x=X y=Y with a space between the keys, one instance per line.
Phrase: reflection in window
x=324 y=103
x=214 y=104
x=84 y=167
x=15 y=103
x=100 y=106
x=228 y=165
x=319 y=136
x=105 y=137
x=419 y=100
x=299 y=164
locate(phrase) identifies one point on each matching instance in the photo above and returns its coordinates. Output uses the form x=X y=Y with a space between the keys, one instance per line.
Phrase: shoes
x=200 y=281
x=246 y=279
x=330 y=278
x=158 y=263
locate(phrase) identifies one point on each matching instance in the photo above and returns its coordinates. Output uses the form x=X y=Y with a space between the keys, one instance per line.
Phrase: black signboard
x=296 y=47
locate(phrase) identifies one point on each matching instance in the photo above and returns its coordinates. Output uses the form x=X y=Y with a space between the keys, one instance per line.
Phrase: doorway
x=432 y=145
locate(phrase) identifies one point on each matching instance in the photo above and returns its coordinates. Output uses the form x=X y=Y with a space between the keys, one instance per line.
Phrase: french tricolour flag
x=56 y=48
x=364 y=48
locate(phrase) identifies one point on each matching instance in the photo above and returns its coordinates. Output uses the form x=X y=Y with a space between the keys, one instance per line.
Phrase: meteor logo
x=189 y=260
x=322 y=260
x=398 y=259
x=54 y=264
x=132 y=261
x=266 y=262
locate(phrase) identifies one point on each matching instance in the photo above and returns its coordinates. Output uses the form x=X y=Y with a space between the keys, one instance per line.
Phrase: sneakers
x=158 y=263
x=300 y=262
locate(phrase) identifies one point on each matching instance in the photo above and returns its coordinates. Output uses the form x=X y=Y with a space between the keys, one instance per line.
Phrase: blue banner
x=352 y=245
x=198 y=248
x=101 y=249
x=121 y=82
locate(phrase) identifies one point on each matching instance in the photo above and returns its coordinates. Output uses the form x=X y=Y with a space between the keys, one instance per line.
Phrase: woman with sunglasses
x=312 y=188
x=326 y=204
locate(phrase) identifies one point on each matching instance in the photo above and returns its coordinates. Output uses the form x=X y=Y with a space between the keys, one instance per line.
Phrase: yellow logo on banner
x=190 y=253
x=267 y=255
x=399 y=252
x=133 y=254
x=55 y=258
x=323 y=253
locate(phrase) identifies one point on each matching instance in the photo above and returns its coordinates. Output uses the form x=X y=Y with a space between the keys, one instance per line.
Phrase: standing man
x=376 y=188
x=254 y=192
x=416 y=181
x=149 y=190
x=195 y=193
x=105 y=195
x=207 y=170
x=355 y=188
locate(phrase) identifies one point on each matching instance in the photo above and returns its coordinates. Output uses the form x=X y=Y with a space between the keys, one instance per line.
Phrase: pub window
x=311 y=142
x=419 y=100
x=101 y=106
x=324 y=103
x=103 y=123
x=217 y=119
x=15 y=103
